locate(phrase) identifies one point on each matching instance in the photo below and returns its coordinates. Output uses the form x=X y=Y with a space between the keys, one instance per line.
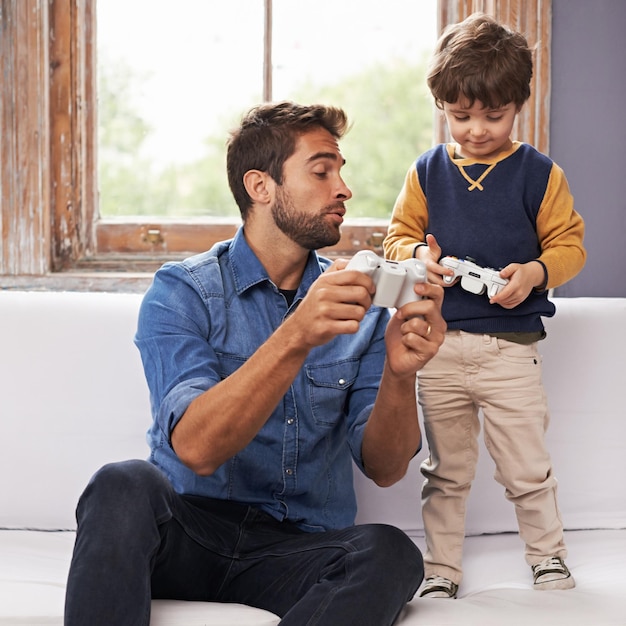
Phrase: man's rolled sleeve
x=172 y=333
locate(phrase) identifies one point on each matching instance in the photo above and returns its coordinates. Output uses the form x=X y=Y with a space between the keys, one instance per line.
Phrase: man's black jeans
x=138 y=539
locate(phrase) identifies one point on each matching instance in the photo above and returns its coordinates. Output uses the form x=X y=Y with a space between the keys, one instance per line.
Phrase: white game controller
x=474 y=278
x=394 y=280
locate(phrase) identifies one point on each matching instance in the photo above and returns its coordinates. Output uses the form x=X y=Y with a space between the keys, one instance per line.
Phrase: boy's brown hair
x=481 y=60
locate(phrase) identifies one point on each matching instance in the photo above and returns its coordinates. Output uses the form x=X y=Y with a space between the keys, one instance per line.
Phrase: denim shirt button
x=289 y=472
x=342 y=381
x=290 y=421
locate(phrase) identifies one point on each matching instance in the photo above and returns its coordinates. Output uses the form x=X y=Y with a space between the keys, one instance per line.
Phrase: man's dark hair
x=480 y=59
x=267 y=137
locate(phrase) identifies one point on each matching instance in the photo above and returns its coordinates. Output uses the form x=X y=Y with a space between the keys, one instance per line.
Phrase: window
x=49 y=221
x=165 y=108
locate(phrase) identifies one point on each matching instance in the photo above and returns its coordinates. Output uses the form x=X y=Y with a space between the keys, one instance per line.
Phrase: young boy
x=503 y=205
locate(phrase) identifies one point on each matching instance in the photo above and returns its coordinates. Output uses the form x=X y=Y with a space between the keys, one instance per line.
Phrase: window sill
x=124 y=271
x=130 y=238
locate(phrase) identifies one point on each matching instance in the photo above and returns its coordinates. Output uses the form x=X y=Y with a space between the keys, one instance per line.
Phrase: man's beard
x=312 y=232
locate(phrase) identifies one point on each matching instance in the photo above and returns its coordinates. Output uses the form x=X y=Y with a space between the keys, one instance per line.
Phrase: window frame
x=50 y=230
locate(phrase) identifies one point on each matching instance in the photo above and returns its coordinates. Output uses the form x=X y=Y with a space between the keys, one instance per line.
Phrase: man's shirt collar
x=248 y=271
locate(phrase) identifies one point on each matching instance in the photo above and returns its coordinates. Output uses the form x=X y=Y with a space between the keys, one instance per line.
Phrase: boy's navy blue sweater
x=514 y=209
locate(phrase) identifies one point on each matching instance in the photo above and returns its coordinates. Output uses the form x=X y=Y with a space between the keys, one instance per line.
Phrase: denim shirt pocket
x=329 y=387
x=229 y=364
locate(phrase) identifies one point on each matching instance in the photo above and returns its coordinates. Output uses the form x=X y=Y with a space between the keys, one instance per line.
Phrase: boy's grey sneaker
x=439 y=587
x=552 y=573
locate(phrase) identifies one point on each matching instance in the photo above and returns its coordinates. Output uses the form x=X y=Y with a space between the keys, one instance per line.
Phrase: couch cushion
x=73 y=398
x=33 y=573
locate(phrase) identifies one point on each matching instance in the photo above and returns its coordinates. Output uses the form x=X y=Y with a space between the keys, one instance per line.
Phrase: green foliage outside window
x=392 y=123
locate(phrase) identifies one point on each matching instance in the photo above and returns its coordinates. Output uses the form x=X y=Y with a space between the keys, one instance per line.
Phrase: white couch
x=73 y=397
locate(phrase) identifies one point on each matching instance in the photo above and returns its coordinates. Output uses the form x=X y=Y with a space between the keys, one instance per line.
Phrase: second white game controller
x=474 y=278
x=394 y=280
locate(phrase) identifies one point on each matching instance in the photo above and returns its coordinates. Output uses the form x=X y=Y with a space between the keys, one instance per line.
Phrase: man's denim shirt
x=201 y=320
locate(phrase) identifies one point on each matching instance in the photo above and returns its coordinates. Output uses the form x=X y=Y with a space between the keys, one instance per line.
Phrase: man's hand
x=335 y=304
x=416 y=331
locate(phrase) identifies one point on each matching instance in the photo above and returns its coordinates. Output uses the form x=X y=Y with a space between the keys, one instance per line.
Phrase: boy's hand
x=430 y=255
x=523 y=278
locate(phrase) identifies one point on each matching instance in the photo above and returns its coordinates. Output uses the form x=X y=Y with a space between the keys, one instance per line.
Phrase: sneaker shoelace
x=440 y=581
x=550 y=565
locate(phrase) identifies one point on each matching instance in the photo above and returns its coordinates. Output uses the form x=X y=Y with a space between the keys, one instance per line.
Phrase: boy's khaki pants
x=472 y=372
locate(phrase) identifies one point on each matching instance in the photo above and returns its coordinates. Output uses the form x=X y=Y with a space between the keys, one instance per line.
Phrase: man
x=269 y=372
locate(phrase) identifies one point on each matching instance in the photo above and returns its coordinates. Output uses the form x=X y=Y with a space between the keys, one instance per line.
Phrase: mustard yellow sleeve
x=561 y=231
x=409 y=220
